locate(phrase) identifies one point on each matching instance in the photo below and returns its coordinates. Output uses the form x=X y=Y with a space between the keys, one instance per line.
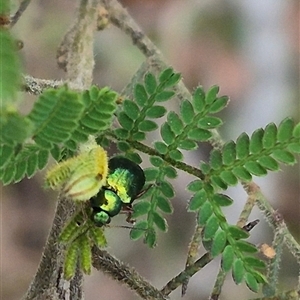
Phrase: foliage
x=10 y=77
x=58 y=122
x=62 y=120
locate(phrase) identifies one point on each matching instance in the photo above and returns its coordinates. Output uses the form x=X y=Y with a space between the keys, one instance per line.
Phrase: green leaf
x=139 y=136
x=215 y=159
x=211 y=227
x=205 y=168
x=165 y=75
x=195 y=186
x=260 y=278
x=135 y=157
x=14 y=128
x=161 y=147
x=170 y=172
x=227 y=258
x=285 y=130
x=70 y=144
x=199 y=134
x=176 y=155
x=32 y=165
x=269 y=163
x=219 y=243
x=244 y=246
x=175 y=123
x=122 y=133
x=138 y=230
x=284 y=156
x=55 y=115
x=198 y=100
x=187 y=112
x=255 y=168
x=140 y=95
x=164 y=205
x=218 y=104
x=229 y=153
x=168 y=78
x=204 y=213
x=159 y=221
x=77 y=137
x=123 y=146
x=242 y=146
x=254 y=262
x=197 y=200
x=108 y=100
x=156 y=161
x=10 y=68
x=251 y=282
x=125 y=121
x=256 y=144
x=156 y=111
x=219 y=182
x=237 y=233
x=242 y=173
x=6 y=152
x=93 y=123
x=238 y=271
x=209 y=122
x=92 y=94
x=211 y=94
x=20 y=171
x=56 y=153
x=150 y=238
x=229 y=178
x=222 y=200
x=131 y=109
x=9 y=174
x=150 y=83
x=187 y=144
x=43 y=156
x=147 y=125
x=173 y=80
x=294 y=147
x=164 y=96
x=270 y=136
x=296 y=131
x=151 y=174
x=167 y=134
x=167 y=189
x=140 y=208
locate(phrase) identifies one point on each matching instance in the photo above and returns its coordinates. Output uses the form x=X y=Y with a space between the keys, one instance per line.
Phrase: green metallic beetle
x=124 y=184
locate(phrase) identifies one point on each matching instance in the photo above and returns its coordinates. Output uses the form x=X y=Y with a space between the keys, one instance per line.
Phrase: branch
x=75 y=54
x=48 y=282
x=118 y=271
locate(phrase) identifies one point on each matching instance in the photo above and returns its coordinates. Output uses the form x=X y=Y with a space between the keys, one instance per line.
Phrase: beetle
x=124 y=184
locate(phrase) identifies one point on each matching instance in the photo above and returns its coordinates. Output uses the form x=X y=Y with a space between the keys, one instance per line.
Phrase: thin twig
x=14 y=19
x=187 y=273
x=36 y=86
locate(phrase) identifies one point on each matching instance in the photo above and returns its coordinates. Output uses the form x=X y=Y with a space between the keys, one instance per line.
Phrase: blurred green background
x=248 y=48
